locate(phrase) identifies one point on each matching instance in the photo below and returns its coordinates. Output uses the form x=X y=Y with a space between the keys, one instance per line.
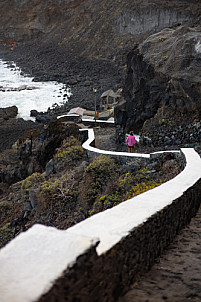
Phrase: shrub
x=110 y=200
x=101 y=169
x=49 y=187
x=141 y=188
x=60 y=190
x=69 y=152
x=162 y=39
x=6 y=234
x=127 y=186
x=97 y=175
x=31 y=181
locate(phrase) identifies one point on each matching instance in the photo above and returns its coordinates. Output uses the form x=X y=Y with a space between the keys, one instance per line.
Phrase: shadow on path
x=176 y=277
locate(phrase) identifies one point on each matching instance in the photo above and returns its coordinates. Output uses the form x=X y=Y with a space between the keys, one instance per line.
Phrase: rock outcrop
x=164 y=72
x=84 y=43
x=33 y=150
x=8 y=112
x=12 y=129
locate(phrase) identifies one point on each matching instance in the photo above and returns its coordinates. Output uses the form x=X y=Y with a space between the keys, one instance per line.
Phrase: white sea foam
x=21 y=91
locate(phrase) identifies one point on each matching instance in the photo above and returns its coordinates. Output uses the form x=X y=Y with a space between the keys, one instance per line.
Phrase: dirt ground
x=176 y=276
x=105 y=138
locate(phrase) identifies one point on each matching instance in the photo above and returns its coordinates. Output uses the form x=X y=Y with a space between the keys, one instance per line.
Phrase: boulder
x=33 y=197
x=49 y=167
x=34 y=113
x=8 y=112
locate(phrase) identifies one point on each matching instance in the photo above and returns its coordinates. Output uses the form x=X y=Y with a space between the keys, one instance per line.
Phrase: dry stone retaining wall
x=106 y=277
x=97 y=259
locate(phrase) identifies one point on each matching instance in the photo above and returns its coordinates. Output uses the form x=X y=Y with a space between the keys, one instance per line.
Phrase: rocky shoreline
x=80 y=74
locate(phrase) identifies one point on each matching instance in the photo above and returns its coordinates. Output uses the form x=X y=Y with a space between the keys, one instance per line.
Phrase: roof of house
x=77 y=110
x=111 y=93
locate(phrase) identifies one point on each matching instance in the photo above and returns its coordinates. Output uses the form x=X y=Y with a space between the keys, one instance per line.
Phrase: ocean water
x=19 y=90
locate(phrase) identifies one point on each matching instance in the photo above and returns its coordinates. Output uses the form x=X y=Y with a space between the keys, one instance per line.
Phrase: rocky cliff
x=91 y=26
x=164 y=71
x=163 y=85
x=154 y=44
x=84 y=43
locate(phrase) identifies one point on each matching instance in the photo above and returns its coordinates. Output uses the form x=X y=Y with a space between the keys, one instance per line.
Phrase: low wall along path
x=98 y=258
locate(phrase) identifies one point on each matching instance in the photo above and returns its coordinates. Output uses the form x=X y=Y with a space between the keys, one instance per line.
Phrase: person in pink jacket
x=130 y=141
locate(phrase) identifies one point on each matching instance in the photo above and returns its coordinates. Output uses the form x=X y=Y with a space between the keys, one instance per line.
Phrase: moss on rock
x=6 y=234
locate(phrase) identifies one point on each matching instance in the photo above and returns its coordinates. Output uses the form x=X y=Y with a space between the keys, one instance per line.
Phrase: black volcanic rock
x=164 y=72
x=87 y=42
x=68 y=41
x=34 y=113
x=8 y=112
x=11 y=130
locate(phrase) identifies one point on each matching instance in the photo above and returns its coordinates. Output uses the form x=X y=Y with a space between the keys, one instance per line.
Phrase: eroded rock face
x=11 y=129
x=33 y=150
x=92 y=26
x=164 y=72
x=151 y=18
x=84 y=43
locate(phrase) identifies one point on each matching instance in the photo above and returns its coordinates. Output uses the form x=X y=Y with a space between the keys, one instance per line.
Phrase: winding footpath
x=38 y=263
x=176 y=277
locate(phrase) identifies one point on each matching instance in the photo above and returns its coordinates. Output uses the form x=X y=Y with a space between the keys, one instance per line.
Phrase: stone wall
x=100 y=257
x=108 y=276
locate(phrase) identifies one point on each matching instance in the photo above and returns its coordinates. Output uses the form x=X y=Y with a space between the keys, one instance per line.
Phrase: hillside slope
x=57 y=33
x=85 y=43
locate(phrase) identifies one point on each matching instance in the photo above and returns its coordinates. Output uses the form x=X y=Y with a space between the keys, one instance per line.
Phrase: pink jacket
x=131 y=140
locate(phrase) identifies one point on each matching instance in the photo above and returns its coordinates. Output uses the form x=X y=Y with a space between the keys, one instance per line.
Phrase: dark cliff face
x=102 y=28
x=67 y=40
x=164 y=72
x=143 y=90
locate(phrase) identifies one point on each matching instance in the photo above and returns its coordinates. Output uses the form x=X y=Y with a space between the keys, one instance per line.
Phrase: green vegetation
x=58 y=190
x=69 y=152
x=60 y=186
x=6 y=234
x=127 y=186
x=162 y=39
x=162 y=121
x=110 y=201
x=31 y=181
x=97 y=175
x=49 y=187
x=141 y=188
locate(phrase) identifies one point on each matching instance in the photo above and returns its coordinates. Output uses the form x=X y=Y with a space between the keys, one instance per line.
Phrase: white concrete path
x=31 y=262
x=91 y=137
